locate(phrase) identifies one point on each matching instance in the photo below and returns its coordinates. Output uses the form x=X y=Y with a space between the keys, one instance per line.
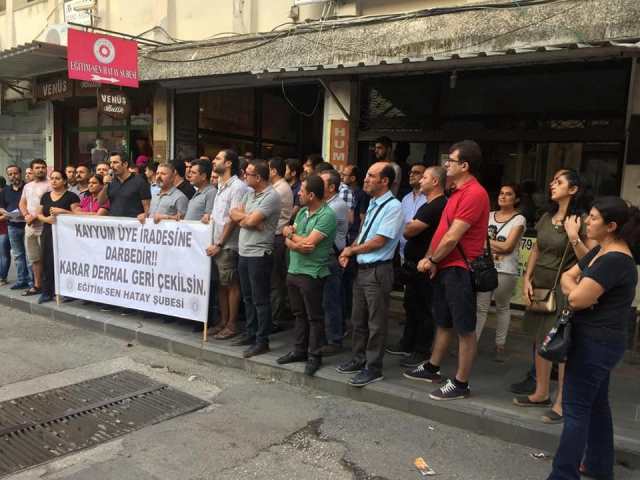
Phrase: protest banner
x=161 y=268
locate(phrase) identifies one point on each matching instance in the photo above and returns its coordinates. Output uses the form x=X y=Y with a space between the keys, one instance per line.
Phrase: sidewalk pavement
x=489 y=411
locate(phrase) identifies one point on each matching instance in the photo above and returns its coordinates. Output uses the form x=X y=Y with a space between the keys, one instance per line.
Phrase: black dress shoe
x=257 y=349
x=350 y=366
x=525 y=387
x=243 y=341
x=292 y=357
x=312 y=366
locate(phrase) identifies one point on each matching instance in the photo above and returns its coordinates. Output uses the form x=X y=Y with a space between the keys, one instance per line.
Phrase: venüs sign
x=102 y=59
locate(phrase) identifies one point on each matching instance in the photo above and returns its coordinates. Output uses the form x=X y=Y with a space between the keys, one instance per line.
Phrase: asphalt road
x=254 y=428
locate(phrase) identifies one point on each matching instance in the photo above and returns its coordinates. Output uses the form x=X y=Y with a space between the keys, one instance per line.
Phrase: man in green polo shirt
x=310 y=241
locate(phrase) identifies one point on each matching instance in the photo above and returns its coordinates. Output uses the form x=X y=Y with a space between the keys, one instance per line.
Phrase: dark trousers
x=419 y=329
x=305 y=298
x=588 y=430
x=48 y=263
x=332 y=303
x=371 y=296
x=255 y=283
x=279 y=307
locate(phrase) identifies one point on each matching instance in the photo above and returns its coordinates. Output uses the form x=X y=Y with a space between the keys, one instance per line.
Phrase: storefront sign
x=526 y=246
x=339 y=147
x=102 y=59
x=114 y=104
x=53 y=88
x=118 y=261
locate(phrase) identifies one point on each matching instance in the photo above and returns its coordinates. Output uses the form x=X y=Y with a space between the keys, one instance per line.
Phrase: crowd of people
x=303 y=244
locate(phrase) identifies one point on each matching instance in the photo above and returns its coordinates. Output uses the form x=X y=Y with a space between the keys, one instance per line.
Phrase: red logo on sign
x=102 y=59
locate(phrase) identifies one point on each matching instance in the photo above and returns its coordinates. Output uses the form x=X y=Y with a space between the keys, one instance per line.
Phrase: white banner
x=160 y=268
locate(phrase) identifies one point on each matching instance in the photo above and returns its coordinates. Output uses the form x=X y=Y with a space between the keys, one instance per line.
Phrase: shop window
x=231 y=111
x=22 y=134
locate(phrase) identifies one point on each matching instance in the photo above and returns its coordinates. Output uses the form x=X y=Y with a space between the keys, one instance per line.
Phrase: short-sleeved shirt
x=500 y=231
x=230 y=195
x=470 y=203
x=429 y=213
x=617 y=274
x=551 y=241
x=126 y=197
x=88 y=203
x=170 y=202
x=33 y=192
x=347 y=195
x=188 y=189
x=286 y=203
x=10 y=201
x=316 y=263
x=388 y=223
x=254 y=242
x=341 y=209
x=201 y=203
x=410 y=205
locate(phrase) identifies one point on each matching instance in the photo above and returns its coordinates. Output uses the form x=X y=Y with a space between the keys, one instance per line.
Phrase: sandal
x=31 y=291
x=525 y=401
x=225 y=334
x=217 y=328
x=551 y=417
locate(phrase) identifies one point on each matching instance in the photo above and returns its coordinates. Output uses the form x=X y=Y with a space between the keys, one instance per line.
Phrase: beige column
x=161 y=124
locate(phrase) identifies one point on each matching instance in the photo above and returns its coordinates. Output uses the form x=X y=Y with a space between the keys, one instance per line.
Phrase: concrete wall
x=183 y=19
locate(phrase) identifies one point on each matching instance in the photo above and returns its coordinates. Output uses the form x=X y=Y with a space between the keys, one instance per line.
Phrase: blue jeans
x=332 y=303
x=16 y=238
x=5 y=256
x=587 y=435
x=255 y=283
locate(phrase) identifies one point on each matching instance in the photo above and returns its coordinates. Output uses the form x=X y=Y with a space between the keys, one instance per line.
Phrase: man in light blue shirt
x=413 y=200
x=373 y=250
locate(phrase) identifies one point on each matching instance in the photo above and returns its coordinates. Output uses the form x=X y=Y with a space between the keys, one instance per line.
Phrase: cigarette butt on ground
x=422 y=466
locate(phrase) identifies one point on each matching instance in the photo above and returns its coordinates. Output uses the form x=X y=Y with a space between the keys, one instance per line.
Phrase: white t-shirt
x=500 y=232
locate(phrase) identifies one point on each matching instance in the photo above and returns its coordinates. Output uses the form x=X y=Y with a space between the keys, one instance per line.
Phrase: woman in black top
x=600 y=290
x=58 y=201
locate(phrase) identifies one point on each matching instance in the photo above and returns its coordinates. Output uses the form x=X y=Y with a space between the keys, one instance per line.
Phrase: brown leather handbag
x=544 y=299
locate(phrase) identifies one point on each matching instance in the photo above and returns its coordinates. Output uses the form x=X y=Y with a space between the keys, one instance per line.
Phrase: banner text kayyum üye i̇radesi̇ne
x=161 y=268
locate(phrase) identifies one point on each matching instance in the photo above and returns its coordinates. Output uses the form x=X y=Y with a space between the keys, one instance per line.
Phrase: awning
x=573 y=30
x=31 y=60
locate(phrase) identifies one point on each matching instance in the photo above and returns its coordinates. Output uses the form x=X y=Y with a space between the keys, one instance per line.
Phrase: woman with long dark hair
x=58 y=201
x=600 y=290
x=89 y=204
x=558 y=246
x=506 y=227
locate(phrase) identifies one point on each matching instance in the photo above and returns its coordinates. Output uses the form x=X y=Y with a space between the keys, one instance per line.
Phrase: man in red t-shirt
x=463 y=226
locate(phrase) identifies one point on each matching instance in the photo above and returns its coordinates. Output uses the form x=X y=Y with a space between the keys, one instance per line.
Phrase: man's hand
x=57 y=211
x=344 y=257
x=236 y=214
x=288 y=230
x=142 y=218
x=306 y=247
x=107 y=178
x=29 y=218
x=206 y=218
x=213 y=250
x=427 y=266
x=157 y=218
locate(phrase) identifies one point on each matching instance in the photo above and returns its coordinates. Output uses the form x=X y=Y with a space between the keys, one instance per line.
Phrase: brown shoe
x=257 y=349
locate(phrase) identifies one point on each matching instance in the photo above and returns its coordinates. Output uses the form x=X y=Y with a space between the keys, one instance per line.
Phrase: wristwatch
x=575 y=242
x=432 y=260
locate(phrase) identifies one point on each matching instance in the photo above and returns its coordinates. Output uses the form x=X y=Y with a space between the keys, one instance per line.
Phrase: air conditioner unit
x=308 y=2
x=56 y=34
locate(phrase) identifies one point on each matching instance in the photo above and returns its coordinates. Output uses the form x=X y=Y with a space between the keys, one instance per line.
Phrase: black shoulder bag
x=484 y=275
x=555 y=345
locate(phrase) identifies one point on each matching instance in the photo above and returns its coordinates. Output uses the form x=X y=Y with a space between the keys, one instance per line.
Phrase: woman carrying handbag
x=558 y=245
x=600 y=289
